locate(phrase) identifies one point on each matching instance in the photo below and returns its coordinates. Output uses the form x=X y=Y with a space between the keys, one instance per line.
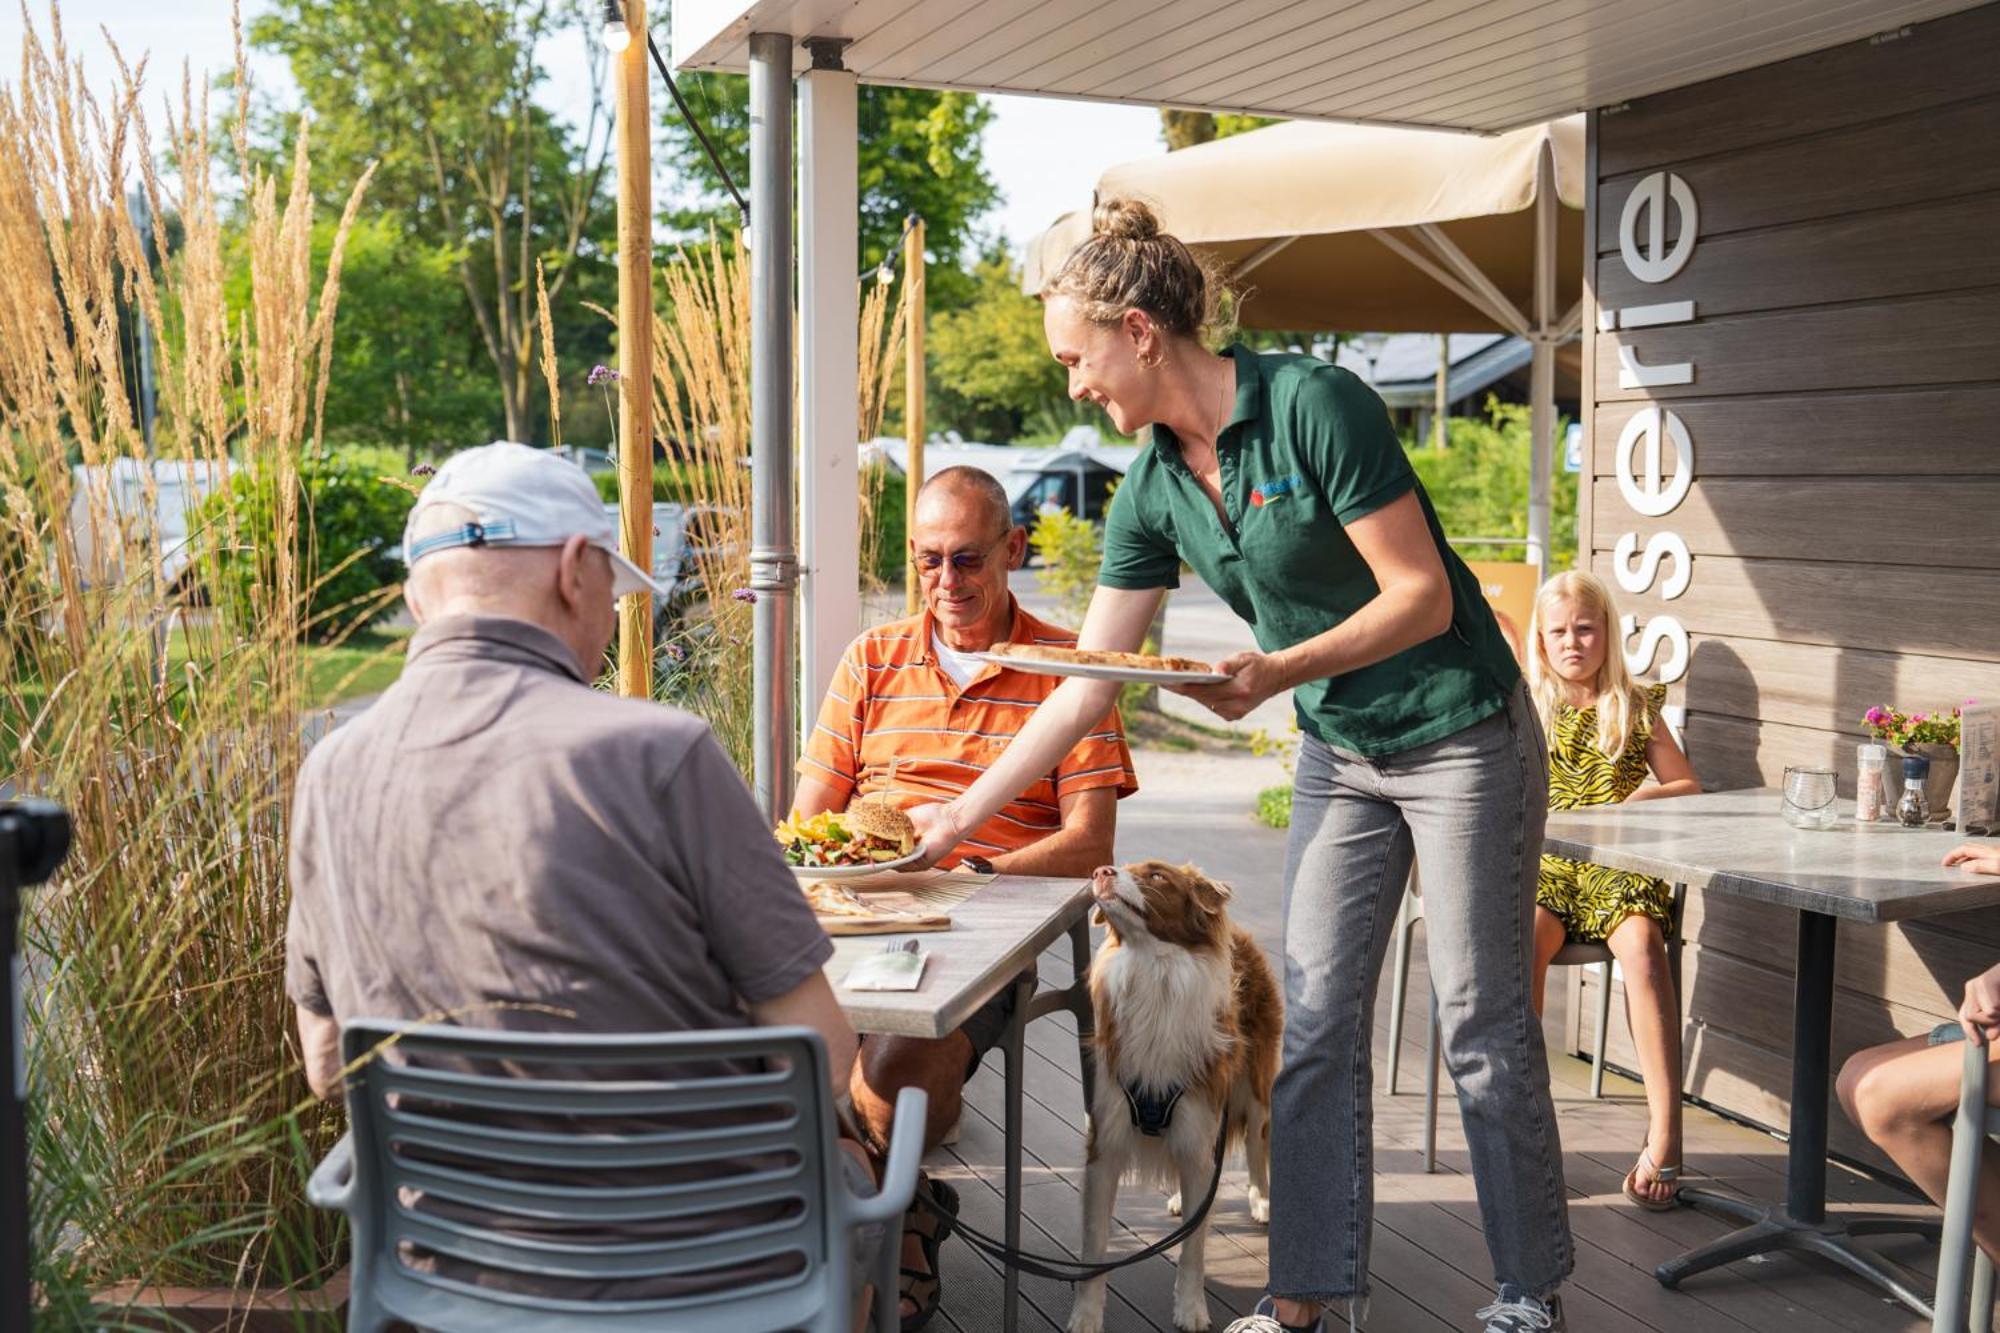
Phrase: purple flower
x=675 y=653
x=1876 y=717
x=423 y=470
x=744 y=595
x=601 y=374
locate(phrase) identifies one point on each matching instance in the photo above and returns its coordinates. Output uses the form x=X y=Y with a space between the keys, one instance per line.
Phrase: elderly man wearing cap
x=499 y=844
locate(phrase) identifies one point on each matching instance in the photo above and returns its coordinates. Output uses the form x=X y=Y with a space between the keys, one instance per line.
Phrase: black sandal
x=930 y=1220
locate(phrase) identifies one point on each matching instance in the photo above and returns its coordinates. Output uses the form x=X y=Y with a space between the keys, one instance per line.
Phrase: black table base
x=1770 y=1229
x=1802 y=1225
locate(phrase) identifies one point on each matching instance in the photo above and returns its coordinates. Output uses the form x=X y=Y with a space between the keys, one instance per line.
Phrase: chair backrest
x=512 y=1181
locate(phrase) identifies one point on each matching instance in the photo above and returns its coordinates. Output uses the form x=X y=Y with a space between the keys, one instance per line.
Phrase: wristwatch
x=978 y=865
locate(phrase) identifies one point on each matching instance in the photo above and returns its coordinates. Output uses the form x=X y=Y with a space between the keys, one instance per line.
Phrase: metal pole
x=635 y=350
x=14 y=1216
x=1542 y=369
x=1443 y=407
x=913 y=396
x=773 y=561
x=142 y=223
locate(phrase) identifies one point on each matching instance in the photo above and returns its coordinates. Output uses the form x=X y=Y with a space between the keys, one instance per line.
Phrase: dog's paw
x=1085 y=1320
x=1191 y=1312
x=1260 y=1208
x=1174 y=1203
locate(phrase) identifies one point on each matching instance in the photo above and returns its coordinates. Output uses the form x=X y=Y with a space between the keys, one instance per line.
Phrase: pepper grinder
x=1912 y=810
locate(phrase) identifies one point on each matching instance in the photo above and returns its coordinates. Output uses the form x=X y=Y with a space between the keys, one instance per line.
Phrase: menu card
x=1978 y=798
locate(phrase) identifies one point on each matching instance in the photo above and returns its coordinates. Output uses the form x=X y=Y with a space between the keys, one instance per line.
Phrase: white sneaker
x=1264 y=1319
x=1526 y=1315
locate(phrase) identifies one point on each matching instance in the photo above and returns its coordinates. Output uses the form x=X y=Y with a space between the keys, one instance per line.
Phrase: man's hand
x=1980 y=1014
x=1979 y=858
x=1253 y=678
x=937 y=833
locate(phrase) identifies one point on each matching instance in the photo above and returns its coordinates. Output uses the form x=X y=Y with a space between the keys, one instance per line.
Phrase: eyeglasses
x=965 y=562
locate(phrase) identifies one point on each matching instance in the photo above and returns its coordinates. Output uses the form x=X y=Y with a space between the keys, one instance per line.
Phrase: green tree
x=920 y=152
x=442 y=100
x=1185 y=129
x=406 y=369
x=991 y=375
x=1479 y=486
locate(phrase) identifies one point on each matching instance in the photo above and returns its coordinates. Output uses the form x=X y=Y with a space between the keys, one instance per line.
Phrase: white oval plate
x=1102 y=671
x=856 y=872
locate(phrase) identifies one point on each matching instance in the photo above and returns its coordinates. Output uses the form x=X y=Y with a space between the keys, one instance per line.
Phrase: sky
x=1045 y=154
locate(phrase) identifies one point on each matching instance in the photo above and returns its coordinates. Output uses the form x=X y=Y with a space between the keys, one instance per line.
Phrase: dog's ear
x=1209 y=894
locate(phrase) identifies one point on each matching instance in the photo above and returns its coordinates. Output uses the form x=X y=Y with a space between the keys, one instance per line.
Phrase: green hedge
x=350 y=520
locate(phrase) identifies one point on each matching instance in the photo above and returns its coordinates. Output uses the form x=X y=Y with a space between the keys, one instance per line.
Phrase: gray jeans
x=1470 y=808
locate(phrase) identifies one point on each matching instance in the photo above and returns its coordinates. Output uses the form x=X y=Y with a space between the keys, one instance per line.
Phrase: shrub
x=350 y=519
x=1071 y=549
x=1274 y=806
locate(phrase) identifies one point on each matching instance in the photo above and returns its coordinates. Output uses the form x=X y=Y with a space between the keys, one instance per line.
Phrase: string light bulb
x=884 y=275
x=617 y=33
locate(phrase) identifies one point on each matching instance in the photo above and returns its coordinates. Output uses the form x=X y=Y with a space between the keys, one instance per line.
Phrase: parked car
x=685 y=538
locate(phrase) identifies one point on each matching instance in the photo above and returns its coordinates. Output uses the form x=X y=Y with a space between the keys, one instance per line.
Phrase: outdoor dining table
x=998 y=931
x=1735 y=843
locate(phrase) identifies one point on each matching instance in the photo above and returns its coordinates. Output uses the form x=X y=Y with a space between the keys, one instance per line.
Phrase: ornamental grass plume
x=170 y=1127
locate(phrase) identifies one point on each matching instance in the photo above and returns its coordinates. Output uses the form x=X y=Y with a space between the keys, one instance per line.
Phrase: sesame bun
x=878 y=819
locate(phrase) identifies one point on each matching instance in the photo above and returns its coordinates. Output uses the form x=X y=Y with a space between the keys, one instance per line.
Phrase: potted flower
x=1933 y=735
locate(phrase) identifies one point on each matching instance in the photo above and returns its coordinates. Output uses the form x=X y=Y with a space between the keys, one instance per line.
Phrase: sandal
x=1666 y=1175
x=930 y=1220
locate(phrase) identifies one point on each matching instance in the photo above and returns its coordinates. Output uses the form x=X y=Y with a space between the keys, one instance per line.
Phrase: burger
x=878 y=827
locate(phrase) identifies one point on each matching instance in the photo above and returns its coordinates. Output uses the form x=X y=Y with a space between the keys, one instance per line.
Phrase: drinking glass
x=1806 y=800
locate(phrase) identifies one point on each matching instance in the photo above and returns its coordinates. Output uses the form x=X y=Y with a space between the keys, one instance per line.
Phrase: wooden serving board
x=888 y=925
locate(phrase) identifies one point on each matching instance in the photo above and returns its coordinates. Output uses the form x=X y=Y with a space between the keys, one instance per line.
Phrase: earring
x=1150 y=362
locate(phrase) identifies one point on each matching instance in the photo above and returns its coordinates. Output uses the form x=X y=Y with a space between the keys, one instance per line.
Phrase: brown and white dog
x=1188 y=1027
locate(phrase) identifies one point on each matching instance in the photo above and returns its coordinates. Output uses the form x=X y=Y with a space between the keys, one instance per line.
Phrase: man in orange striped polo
x=909 y=717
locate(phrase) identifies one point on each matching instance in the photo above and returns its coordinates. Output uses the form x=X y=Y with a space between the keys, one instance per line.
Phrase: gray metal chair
x=507 y=1182
x=1594 y=954
x=1952 y=1311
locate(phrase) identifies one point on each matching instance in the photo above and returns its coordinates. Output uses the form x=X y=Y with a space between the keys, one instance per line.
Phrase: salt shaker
x=1868 y=761
x=1913 y=811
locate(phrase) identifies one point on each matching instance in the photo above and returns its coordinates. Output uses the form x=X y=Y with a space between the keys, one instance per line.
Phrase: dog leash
x=1065 y=1268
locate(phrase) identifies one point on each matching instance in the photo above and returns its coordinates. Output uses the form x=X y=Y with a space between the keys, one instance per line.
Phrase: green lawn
x=367 y=663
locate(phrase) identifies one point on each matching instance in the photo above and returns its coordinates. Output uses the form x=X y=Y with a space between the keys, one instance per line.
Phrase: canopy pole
x=773 y=561
x=913 y=397
x=1504 y=314
x=829 y=366
x=1440 y=413
x=635 y=350
x=1542 y=368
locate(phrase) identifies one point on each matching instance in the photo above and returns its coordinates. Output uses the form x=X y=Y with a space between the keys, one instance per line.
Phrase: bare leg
x=887 y=1066
x=1100 y=1192
x=1903 y=1095
x=1549 y=936
x=1641 y=951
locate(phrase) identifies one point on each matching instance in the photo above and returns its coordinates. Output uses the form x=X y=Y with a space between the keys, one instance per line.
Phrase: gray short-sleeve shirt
x=494 y=843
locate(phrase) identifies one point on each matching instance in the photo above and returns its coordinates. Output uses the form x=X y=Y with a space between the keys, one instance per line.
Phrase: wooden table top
x=998 y=930
x=1735 y=842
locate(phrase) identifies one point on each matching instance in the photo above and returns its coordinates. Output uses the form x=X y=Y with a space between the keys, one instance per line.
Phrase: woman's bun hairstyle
x=1130 y=264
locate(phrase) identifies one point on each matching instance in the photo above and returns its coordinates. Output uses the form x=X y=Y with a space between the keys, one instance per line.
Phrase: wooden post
x=635 y=350
x=913 y=398
x=1438 y=414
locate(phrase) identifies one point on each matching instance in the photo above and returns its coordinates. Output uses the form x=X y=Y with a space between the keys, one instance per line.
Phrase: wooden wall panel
x=1888 y=608
x=1939 y=63
x=1945 y=339
x=1902 y=251
x=1826 y=688
x=1878 y=520
x=1910 y=160
x=1845 y=513
x=1888 y=432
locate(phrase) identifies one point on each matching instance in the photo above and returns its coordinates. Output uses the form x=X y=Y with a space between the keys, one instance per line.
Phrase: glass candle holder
x=1806 y=799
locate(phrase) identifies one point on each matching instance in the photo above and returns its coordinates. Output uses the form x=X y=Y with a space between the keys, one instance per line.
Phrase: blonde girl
x=1604 y=734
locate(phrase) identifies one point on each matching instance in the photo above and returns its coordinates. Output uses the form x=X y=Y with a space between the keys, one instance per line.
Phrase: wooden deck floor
x=1430 y=1269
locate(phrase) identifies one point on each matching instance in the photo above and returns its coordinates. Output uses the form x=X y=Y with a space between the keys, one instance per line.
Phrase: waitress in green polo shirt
x=1280 y=480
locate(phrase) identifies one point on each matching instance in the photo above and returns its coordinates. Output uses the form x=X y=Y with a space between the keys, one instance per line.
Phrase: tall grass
x=171 y=1124
x=701 y=385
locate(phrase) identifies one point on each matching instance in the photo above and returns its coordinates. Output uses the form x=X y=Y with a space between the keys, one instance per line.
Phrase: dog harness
x=1152 y=1112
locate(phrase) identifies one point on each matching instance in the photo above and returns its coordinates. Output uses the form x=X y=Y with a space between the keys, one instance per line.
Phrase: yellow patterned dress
x=1593 y=899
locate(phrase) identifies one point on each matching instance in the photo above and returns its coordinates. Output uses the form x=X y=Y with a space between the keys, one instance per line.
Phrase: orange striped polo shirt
x=891 y=702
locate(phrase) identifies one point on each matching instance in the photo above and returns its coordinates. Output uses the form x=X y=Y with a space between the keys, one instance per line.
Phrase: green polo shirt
x=1308 y=450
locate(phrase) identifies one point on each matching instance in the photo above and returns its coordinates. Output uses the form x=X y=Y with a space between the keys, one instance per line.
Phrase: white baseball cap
x=520 y=496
